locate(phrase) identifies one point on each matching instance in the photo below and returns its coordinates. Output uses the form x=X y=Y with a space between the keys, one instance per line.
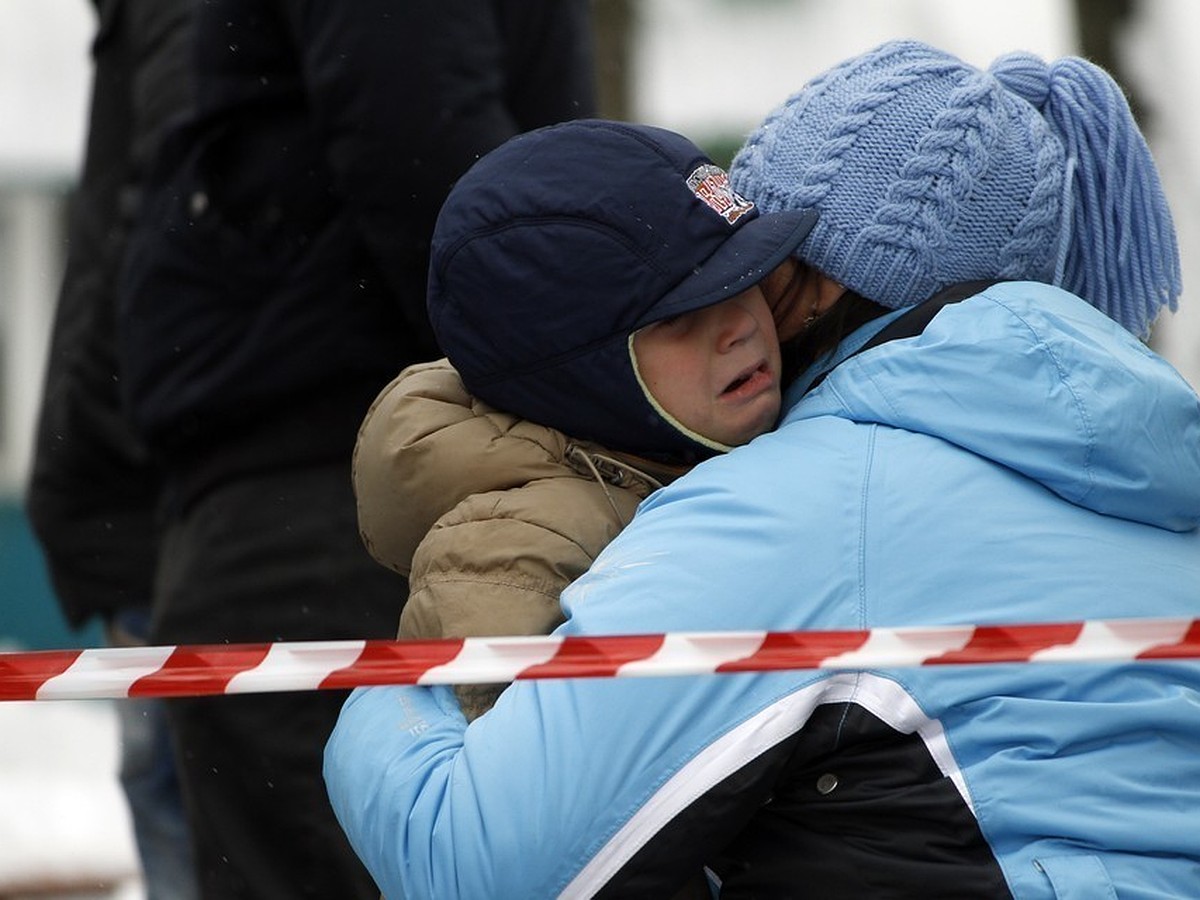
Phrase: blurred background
x=709 y=68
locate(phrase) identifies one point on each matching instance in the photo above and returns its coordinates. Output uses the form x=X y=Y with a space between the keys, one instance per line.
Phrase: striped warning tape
x=178 y=671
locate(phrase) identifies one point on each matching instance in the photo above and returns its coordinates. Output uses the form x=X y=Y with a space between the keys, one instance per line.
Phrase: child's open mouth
x=749 y=382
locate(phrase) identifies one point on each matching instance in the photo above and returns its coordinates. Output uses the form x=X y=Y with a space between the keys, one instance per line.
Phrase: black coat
x=278 y=279
x=92 y=492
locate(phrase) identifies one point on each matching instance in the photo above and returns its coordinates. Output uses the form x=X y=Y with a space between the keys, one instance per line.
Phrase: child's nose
x=735 y=323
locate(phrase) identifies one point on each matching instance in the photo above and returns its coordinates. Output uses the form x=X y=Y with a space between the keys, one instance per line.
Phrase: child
x=601 y=280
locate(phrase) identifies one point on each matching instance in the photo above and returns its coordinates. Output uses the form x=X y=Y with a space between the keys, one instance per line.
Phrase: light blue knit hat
x=927 y=171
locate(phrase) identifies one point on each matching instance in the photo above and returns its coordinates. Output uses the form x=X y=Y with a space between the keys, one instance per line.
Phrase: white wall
x=706 y=65
x=31 y=260
x=1166 y=67
x=44 y=84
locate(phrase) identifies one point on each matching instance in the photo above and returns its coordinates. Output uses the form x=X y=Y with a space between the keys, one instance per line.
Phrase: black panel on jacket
x=846 y=808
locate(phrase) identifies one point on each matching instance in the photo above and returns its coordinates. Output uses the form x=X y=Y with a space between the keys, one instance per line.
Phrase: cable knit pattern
x=927 y=171
x=921 y=208
x=1032 y=250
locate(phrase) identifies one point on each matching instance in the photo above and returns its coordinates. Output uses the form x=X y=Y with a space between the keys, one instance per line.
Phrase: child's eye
x=678 y=322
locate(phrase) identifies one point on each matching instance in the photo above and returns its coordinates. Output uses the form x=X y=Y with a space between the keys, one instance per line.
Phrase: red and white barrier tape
x=318 y=665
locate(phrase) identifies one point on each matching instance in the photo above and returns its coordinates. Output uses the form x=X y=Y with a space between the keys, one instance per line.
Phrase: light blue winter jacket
x=1024 y=459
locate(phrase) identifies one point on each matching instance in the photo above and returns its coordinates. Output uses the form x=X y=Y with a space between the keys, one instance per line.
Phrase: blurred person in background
x=275 y=284
x=93 y=490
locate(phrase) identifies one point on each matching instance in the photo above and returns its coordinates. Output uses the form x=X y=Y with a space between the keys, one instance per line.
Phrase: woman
x=1024 y=458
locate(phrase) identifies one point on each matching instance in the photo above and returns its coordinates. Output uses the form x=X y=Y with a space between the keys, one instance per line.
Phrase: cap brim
x=745 y=259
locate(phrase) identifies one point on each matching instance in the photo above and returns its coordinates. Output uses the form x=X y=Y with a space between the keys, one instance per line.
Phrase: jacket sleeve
x=608 y=788
x=579 y=787
x=92 y=494
x=477 y=507
x=406 y=442
x=497 y=563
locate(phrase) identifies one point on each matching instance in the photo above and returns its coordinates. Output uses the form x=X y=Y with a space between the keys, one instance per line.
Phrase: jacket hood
x=426 y=445
x=1033 y=378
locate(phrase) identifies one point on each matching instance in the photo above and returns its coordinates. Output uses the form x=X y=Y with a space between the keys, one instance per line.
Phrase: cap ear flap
x=661 y=410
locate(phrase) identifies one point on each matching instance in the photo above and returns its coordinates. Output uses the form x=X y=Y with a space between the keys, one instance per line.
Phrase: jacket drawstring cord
x=618 y=468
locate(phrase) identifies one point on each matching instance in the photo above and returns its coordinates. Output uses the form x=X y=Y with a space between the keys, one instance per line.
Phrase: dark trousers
x=274 y=558
x=150 y=781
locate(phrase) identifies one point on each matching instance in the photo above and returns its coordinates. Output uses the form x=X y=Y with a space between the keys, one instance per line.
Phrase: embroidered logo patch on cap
x=711 y=184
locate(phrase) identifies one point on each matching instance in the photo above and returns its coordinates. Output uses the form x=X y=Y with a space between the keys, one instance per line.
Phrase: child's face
x=715 y=370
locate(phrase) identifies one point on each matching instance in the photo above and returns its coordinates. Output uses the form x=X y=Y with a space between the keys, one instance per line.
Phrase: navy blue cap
x=559 y=244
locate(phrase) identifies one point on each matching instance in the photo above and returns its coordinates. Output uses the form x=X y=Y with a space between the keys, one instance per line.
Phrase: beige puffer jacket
x=490 y=516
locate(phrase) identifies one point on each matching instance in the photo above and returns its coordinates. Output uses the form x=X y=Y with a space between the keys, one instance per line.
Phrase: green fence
x=29 y=615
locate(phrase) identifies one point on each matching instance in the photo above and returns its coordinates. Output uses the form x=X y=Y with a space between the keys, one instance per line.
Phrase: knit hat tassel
x=1118 y=248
